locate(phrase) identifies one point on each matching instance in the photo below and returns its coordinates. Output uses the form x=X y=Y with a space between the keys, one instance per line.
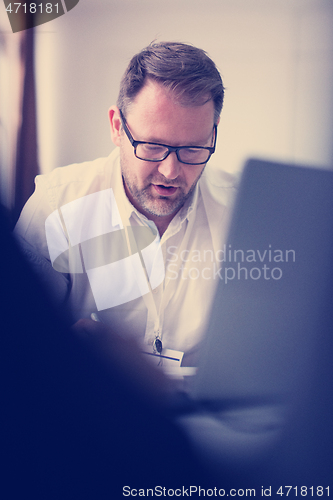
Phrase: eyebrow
x=202 y=144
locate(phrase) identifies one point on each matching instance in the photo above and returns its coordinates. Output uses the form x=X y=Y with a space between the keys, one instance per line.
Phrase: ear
x=115 y=124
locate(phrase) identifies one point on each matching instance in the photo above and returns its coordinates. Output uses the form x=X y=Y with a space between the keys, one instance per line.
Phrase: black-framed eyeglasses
x=152 y=151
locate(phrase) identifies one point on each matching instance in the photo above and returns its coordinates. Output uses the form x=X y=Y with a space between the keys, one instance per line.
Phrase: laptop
x=267 y=353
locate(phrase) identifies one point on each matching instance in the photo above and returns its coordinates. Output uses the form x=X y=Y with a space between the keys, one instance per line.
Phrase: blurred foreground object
x=264 y=383
x=73 y=426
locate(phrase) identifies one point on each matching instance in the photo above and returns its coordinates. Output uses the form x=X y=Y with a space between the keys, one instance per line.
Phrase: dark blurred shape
x=270 y=338
x=26 y=167
x=72 y=426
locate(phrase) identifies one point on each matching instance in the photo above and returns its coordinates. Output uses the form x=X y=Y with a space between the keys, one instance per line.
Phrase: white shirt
x=80 y=220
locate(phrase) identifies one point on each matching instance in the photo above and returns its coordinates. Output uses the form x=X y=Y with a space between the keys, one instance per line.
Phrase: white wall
x=275 y=57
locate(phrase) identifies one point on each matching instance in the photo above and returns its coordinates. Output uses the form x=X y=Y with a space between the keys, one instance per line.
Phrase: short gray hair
x=185 y=70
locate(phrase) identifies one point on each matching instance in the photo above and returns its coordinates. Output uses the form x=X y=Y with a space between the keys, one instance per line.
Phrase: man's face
x=161 y=188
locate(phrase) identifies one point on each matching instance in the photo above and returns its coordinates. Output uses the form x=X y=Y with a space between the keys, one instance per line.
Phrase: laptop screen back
x=271 y=301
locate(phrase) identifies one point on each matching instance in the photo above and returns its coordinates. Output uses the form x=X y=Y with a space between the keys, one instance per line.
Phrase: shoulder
x=65 y=184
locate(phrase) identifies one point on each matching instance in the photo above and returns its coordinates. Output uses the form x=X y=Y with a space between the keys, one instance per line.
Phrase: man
x=135 y=238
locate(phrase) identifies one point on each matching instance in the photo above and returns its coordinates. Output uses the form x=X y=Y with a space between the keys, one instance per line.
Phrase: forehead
x=156 y=116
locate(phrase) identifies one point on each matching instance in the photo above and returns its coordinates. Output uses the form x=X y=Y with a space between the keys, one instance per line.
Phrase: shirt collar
x=125 y=206
x=190 y=206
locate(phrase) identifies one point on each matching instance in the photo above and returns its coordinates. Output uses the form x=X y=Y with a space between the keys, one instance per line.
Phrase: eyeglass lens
x=156 y=152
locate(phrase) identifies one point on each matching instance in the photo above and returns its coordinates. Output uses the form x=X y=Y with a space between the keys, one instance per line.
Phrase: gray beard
x=161 y=206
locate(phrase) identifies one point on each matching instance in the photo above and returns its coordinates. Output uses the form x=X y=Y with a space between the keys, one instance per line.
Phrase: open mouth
x=165 y=190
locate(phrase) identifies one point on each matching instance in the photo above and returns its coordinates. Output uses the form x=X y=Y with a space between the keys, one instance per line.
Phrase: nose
x=170 y=167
